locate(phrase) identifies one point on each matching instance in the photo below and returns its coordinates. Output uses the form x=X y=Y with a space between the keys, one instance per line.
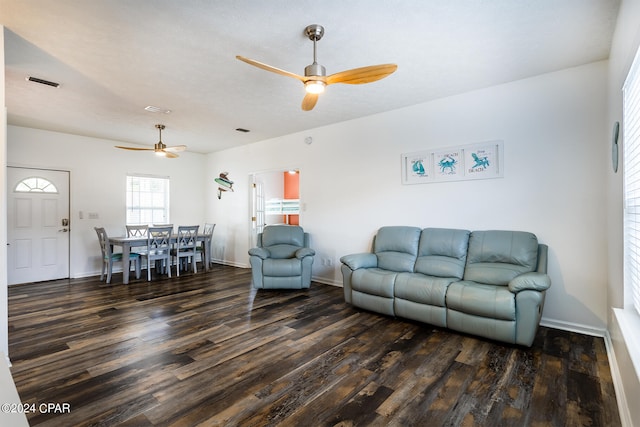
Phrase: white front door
x=37 y=225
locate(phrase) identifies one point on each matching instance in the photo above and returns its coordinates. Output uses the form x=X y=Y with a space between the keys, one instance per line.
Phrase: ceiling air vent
x=154 y=109
x=42 y=81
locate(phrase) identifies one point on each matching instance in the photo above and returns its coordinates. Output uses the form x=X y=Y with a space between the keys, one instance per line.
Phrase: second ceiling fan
x=315 y=77
x=160 y=148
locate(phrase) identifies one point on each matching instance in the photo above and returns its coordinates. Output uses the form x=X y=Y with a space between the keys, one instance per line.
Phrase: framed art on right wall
x=483 y=160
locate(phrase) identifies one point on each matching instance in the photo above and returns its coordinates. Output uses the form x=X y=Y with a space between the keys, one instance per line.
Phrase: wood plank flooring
x=206 y=349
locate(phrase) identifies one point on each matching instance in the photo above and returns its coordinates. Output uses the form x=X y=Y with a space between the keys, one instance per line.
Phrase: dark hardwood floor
x=207 y=349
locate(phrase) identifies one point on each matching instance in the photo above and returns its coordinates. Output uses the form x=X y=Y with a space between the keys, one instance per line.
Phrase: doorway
x=38 y=226
x=275 y=199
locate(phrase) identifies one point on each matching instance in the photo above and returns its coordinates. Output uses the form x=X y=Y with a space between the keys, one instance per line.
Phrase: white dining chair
x=109 y=257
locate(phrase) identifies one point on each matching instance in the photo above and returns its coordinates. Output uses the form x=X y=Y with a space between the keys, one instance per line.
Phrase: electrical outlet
x=329 y=262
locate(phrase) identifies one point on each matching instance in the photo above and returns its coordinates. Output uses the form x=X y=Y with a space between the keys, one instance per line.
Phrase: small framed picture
x=448 y=164
x=483 y=160
x=417 y=167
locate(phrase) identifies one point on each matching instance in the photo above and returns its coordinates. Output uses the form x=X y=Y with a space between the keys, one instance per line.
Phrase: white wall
x=552 y=126
x=98 y=182
x=623 y=323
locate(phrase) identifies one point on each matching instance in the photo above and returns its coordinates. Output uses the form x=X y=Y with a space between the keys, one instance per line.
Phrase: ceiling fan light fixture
x=315 y=86
x=315 y=77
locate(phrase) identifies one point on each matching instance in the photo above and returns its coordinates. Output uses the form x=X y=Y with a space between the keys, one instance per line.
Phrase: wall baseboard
x=573 y=327
x=326 y=281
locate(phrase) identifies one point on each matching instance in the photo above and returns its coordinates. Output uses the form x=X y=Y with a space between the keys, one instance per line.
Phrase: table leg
x=206 y=256
x=126 y=250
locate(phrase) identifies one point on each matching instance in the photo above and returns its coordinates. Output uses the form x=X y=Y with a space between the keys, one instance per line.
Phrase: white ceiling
x=115 y=57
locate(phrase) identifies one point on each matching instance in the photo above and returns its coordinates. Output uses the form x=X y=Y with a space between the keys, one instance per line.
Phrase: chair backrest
x=208 y=229
x=137 y=230
x=496 y=256
x=103 y=239
x=187 y=235
x=283 y=240
x=159 y=238
x=164 y=225
x=442 y=252
x=397 y=247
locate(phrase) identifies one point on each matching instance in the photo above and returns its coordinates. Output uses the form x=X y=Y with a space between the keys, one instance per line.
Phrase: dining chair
x=137 y=231
x=186 y=243
x=109 y=257
x=208 y=232
x=164 y=225
x=159 y=249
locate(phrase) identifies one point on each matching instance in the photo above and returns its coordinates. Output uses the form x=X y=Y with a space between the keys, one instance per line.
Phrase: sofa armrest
x=361 y=260
x=304 y=252
x=262 y=253
x=530 y=281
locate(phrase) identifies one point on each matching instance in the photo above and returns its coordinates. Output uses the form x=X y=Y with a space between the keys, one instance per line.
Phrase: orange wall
x=292 y=191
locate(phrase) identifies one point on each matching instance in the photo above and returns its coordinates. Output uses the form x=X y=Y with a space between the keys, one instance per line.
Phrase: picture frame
x=417 y=167
x=484 y=160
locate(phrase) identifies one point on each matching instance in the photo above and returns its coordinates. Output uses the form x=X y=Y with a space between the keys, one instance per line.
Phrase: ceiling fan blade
x=309 y=101
x=176 y=148
x=362 y=75
x=169 y=154
x=270 y=68
x=134 y=148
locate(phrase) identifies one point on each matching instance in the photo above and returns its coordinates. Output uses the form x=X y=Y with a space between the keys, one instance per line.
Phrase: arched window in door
x=35 y=184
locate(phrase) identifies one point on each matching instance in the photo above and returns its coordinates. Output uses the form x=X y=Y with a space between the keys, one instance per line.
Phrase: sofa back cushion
x=397 y=247
x=495 y=257
x=442 y=252
x=283 y=240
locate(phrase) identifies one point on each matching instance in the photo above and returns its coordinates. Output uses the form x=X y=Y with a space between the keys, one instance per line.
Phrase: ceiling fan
x=160 y=148
x=315 y=78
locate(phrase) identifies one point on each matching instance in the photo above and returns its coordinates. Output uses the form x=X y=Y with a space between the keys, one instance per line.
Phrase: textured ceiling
x=115 y=57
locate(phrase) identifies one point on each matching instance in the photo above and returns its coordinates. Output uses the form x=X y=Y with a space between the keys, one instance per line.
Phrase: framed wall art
x=465 y=162
x=417 y=167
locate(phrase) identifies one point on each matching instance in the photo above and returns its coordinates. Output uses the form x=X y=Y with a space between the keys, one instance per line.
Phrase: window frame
x=631 y=184
x=143 y=201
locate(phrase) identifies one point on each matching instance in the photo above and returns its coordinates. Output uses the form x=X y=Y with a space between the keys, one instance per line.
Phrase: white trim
x=618 y=384
x=326 y=281
x=573 y=327
x=629 y=323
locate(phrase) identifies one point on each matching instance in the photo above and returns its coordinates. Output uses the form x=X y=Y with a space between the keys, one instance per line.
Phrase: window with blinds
x=147 y=200
x=631 y=141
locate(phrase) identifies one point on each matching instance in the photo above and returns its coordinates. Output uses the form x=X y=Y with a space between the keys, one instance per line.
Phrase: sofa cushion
x=374 y=281
x=491 y=301
x=397 y=247
x=442 y=252
x=422 y=289
x=281 y=267
x=495 y=257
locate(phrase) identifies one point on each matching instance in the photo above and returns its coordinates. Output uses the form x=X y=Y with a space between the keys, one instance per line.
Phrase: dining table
x=127 y=242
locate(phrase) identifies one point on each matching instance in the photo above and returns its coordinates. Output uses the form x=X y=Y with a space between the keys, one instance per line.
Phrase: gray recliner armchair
x=283 y=258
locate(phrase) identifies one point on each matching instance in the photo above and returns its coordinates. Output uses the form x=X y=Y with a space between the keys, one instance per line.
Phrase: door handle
x=64 y=230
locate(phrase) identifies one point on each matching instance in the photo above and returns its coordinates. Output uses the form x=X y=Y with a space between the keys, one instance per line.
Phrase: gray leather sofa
x=486 y=283
x=282 y=259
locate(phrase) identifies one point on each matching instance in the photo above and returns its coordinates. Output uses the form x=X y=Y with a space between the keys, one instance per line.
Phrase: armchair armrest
x=532 y=281
x=304 y=252
x=262 y=253
x=361 y=260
